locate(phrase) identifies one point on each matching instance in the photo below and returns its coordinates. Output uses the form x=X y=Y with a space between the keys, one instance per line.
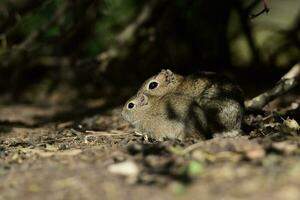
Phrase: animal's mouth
x=123 y=114
x=128 y=119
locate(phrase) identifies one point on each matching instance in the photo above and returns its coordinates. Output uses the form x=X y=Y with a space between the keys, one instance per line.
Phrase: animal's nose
x=124 y=115
x=144 y=100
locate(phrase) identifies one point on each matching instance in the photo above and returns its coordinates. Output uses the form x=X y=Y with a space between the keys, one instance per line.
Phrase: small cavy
x=220 y=99
x=171 y=116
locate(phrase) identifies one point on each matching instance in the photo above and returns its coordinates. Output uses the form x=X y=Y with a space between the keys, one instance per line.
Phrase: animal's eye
x=152 y=85
x=130 y=105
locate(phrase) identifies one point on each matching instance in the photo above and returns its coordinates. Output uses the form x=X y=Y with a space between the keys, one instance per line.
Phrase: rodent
x=220 y=100
x=171 y=116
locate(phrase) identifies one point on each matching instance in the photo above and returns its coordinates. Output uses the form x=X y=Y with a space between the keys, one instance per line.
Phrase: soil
x=58 y=152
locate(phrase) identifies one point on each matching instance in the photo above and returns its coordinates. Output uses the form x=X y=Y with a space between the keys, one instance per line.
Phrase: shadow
x=5 y=127
x=76 y=113
x=192 y=116
x=198 y=119
x=207 y=112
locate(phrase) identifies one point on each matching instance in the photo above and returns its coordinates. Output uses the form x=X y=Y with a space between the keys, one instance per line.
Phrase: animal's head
x=135 y=108
x=164 y=82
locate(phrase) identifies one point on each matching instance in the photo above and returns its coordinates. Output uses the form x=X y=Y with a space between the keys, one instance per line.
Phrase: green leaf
x=194 y=168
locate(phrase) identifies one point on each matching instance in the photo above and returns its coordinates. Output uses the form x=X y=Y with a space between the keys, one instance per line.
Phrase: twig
x=286 y=83
x=266 y=9
x=247 y=30
x=104 y=133
x=192 y=147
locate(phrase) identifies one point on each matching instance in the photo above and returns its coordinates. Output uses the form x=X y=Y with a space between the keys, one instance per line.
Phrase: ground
x=49 y=152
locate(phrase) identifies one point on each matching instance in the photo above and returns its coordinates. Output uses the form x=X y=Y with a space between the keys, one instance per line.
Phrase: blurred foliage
x=90 y=45
x=116 y=14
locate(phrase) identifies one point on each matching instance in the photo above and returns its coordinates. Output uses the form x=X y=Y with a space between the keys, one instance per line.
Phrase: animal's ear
x=169 y=75
x=166 y=71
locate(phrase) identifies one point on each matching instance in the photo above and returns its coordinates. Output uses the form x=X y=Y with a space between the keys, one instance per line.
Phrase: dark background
x=55 y=51
x=68 y=66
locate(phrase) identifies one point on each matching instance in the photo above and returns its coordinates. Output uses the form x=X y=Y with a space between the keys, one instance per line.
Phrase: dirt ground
x=60 y=152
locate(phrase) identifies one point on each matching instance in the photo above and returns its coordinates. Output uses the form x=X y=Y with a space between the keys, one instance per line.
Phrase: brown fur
x=216 y=102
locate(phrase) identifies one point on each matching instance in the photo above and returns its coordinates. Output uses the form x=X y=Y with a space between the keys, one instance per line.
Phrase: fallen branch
x=286 y=83
x=104 y=133
x=192 y=147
